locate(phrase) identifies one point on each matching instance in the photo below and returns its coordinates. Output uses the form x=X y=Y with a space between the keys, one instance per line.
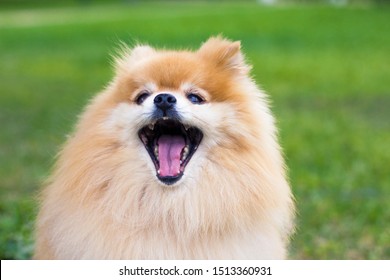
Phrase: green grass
x=327 y=71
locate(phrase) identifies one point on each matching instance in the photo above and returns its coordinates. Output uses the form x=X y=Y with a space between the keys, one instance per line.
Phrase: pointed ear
x=127 y=57
x=224 y=53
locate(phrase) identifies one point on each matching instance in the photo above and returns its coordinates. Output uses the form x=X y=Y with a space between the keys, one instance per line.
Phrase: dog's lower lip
x=170 y=180
x=170 y=145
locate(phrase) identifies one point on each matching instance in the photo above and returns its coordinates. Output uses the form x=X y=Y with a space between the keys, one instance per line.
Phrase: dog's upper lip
x=170 y=144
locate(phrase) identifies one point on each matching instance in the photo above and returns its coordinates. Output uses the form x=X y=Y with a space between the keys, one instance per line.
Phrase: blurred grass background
x=326 y=68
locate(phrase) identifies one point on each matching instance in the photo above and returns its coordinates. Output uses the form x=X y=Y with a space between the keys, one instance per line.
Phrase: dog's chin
x=170 y=144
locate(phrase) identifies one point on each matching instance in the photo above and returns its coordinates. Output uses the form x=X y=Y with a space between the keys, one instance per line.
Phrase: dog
x=177 y=158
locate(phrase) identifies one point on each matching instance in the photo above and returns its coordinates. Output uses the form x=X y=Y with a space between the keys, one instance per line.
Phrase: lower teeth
x=156 y=151
x=185 y=153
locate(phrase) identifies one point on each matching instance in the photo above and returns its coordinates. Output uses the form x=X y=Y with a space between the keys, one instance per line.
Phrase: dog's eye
x=141 y=97
x=195 y=99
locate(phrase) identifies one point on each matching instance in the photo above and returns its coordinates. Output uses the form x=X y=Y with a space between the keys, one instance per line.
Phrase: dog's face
x=180 y=107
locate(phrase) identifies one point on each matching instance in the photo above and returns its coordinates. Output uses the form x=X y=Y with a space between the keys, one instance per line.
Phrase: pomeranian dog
x=177 y=159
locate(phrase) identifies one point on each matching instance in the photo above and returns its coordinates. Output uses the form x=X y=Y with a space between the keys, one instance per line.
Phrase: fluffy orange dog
x=176 y=159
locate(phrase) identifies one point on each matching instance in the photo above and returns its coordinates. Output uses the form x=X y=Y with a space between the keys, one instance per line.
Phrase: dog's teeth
x=158 y=171
x=185 y=152
x=151 y=126
x=156 y=151
x=186 y=127
x=165 y=118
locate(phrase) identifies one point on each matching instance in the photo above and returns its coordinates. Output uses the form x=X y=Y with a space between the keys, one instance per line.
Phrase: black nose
x=165 y=101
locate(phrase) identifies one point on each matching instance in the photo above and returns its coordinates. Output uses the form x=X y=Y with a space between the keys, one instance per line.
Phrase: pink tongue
x=169 y=150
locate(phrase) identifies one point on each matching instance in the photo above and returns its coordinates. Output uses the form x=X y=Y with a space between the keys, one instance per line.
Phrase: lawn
x=326 y=69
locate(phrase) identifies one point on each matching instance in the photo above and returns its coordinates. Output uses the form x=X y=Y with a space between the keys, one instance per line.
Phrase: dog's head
x=182 y=105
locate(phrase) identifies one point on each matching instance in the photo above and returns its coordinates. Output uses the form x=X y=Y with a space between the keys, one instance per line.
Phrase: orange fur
x=103 y=200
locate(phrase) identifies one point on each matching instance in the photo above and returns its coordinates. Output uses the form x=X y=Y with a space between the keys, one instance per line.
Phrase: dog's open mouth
x=170 y=145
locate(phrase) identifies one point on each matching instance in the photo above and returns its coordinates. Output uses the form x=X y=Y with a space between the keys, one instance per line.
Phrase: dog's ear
x=224 y=53
x=127 y=57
